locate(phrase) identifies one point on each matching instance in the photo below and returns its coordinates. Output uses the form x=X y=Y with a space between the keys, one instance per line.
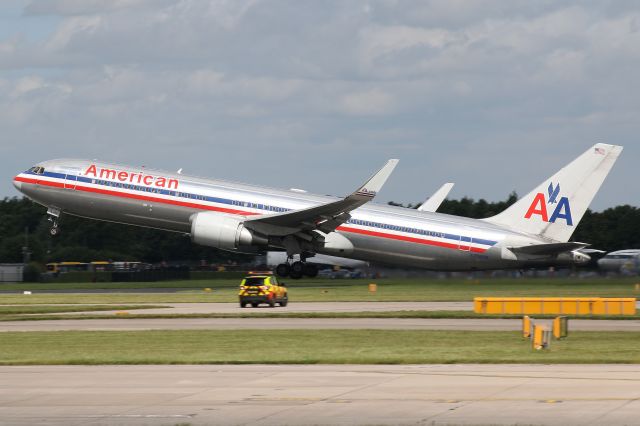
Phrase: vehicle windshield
x=254 y=281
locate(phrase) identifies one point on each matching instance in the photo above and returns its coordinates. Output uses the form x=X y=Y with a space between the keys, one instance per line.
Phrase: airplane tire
x=54 y=231
x=310 y=270
x=283 y=270
x=295 y=275
x=297 y=268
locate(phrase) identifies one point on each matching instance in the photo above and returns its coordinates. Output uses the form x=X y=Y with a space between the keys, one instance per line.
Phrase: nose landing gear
x=54 y=217
x=54 y=230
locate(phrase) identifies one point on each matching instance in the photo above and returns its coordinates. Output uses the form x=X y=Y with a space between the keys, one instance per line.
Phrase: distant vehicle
x=94 y=266
x=257 y=288
x=625 y=261
x=58 y=267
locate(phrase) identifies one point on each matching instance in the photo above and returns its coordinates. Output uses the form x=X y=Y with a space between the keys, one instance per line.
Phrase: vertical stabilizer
x=554 y=209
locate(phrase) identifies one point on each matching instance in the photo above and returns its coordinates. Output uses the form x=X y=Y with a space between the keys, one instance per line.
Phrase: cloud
x=370 y=102
x=323 y=92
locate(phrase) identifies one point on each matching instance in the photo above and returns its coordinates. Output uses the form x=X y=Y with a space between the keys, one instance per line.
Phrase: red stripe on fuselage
x=39 y=182
x=410 y=239
x=245 y=213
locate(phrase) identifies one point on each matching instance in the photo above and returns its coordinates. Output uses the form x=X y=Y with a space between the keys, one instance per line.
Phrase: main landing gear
x=297 y=270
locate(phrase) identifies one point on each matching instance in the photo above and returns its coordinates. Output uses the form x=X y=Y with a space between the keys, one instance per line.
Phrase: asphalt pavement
x=479 y=324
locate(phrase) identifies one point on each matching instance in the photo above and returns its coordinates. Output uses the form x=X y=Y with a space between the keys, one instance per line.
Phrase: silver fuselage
x=379 y=233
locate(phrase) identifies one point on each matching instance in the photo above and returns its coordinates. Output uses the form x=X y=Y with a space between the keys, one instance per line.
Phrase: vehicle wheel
x=272 y=303
x=310 y=270
x=254 y=304
x=297 y=268
x=295 y=275
x=243 y=304
x=284 y=302
x=283 y=270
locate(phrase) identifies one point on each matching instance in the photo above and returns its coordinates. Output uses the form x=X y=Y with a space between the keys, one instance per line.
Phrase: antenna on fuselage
x=180 y=171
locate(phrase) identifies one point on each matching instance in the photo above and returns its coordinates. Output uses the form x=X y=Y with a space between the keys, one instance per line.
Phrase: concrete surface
x=320 y=395
x=481 y=324
x=298 y=307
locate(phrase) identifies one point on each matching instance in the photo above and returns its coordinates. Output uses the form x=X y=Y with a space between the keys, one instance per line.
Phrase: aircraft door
x=465 y=243
x=70 y=182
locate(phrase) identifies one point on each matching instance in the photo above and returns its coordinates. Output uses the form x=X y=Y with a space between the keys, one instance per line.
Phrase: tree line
x=24 y=223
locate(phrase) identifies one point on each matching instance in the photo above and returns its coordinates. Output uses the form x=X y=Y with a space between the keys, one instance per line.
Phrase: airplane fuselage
x=379 y=233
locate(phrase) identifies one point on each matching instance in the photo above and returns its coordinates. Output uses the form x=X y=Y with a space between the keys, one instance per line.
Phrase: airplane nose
x=17 y=184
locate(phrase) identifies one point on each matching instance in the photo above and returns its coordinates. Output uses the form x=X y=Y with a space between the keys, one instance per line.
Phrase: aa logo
x=561 y=207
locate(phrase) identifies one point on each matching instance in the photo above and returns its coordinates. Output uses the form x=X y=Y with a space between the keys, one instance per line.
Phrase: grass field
x=323 y=290
x=309 y=347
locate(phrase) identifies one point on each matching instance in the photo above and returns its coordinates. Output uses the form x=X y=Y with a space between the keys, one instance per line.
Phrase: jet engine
x=225 y=232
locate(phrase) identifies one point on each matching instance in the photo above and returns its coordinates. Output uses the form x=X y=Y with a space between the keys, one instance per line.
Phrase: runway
x=297 y=307
x=320 y=395
x=480 y=324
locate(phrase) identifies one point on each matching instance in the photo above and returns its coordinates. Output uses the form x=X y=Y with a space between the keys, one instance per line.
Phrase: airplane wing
x=432 y=203
x=325 y=217
x=548 y=249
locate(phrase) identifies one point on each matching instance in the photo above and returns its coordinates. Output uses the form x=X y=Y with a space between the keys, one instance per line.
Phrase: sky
x=495 y=96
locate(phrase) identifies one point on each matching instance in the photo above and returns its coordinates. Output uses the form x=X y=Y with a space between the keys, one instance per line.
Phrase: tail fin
x=554 y=209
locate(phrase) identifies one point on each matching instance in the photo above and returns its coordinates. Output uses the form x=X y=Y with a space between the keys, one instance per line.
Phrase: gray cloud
x=492 y=95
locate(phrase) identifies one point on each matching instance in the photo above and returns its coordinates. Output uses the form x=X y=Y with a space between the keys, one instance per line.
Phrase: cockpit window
x=37 y=170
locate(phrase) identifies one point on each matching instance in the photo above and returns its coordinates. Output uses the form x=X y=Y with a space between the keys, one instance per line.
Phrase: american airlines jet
x=534 y=232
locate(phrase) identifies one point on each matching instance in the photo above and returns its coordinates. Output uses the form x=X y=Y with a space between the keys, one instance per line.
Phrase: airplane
x=533 y=232
x=620 y=261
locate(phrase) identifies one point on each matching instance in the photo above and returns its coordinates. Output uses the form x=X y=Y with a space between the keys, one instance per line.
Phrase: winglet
x=374 y=184
x=432 y=203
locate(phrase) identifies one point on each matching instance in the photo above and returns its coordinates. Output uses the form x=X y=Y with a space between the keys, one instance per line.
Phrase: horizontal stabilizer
x=548 y=249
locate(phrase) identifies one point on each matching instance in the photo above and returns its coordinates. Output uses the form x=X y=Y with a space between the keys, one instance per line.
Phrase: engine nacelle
x=225 y=232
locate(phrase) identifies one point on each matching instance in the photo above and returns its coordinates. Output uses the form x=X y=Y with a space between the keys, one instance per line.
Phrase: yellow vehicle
x=57 y=267
x=262 y=287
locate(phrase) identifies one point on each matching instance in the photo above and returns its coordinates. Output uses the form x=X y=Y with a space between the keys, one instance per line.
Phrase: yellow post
x=540 y=337
x=526 y=327
x=373 y=288
x=207 y=290
x=560 y=327
x=638 y=287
